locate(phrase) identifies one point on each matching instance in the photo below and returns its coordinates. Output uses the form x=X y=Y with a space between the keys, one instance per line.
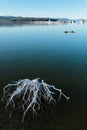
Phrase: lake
x=45 y=51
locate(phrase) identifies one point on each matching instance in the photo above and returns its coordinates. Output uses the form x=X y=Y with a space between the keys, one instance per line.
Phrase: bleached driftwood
x=28 y=94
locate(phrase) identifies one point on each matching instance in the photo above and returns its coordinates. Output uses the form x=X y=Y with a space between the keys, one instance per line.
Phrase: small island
x=69 y=31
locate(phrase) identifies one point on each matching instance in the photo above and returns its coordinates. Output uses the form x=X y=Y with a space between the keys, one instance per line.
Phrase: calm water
x=61 y=59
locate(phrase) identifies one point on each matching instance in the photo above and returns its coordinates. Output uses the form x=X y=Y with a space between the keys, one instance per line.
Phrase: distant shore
x=34 y=20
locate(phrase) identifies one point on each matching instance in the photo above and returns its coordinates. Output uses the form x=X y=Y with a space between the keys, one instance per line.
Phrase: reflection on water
x=60 y=59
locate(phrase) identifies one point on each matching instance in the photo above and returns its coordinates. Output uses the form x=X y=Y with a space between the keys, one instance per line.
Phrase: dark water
x=61 y=59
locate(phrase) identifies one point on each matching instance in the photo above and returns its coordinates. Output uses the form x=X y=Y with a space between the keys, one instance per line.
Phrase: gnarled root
x=27 y=94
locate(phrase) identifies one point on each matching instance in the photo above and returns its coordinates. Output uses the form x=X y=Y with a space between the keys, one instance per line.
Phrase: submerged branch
x=28 y=95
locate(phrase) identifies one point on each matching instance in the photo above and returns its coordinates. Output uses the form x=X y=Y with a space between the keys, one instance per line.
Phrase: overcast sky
x=44 y=8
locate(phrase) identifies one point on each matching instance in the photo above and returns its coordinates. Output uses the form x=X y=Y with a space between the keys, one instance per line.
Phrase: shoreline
x=37 y=21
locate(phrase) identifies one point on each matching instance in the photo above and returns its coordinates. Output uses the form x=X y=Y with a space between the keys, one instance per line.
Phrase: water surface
x=59 y=58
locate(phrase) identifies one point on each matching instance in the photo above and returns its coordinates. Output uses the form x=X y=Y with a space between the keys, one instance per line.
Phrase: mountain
x=35 y=20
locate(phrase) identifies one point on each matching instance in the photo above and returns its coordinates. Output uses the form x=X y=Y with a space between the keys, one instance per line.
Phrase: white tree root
x=28 y=94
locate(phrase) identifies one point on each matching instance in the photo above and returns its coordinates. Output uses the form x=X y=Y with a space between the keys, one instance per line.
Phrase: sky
x=44 y=8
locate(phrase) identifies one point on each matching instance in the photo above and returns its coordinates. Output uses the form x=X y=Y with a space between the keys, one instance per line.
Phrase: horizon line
x=38 y=17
